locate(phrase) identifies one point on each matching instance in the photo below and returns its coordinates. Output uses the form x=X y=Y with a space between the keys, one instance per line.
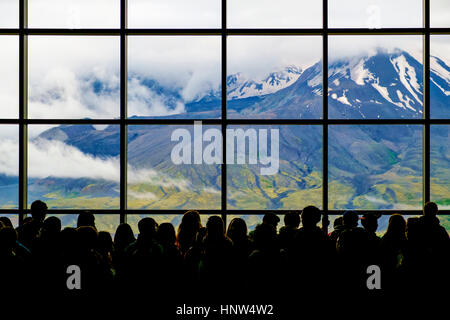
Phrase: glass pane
x=178 y=174
x=440 y=76
x=13 y=218
x=252 y=220
x=274 y=14
x=375 y=167
x=274 y=77
x=439 y=13
x=440 y=166
x=174 y=219
x=74 y=14
x=372 y=77
x=174 y=13
x=375 y=14
x=9 y=14
x=274 y=167
x=9 y=81
x=74 y=166
x=177 y=76
x=103 y=222
x=9 y=167
x=73 y=77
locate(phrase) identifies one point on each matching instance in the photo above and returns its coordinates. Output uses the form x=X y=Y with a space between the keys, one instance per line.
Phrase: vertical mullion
x=325 y=115
x=426 y=102
x=23 y=97
x=123 y=109
x=224 y=113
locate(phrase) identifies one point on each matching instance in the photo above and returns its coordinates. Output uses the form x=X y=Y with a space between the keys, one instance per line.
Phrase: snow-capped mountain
x=240 y=86
x=382 y=85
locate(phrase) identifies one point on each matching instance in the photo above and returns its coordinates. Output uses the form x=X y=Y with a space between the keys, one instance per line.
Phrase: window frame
x=123 y=32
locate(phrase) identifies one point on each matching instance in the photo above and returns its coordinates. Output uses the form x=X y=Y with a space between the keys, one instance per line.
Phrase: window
x=101 y=103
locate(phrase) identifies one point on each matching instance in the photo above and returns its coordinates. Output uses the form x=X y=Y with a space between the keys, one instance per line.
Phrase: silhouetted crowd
x=210 y=261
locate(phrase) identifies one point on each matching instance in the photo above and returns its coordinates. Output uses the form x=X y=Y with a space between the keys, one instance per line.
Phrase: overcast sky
x=241 y=13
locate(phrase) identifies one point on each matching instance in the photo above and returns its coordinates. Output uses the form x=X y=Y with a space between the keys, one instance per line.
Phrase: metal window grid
x=123 y=32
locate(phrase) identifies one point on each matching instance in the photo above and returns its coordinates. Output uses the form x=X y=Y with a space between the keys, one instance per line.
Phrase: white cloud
x=353 y=46
x=375 y=13
x=189 y=65
x=274 y=14
x=9 y=13
x=257 y=56
x=9 y=80
x=174 y=13
x=50 y=158
x=440 y=13
x=63 y=72
x=74 y=14
x=9 y=164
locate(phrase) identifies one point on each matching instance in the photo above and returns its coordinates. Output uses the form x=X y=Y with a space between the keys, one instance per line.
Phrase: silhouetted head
x=350 y=219
x=147 y=228
x=38 y=210
x=430 y=209
x=338 y=222
x=188 y=229
x=68 y=238
x=6 y=221
x=264 y=236
x=413 y=229
x=397 y=225
x=237 y=230
x=369 y=221
x=292 y=219
x=124 y=236
x=271 y=219
x=215 y=228
x=86 y=219
x=2 y=225
x=8 y=239
x=166 y=234
x=105 y=243
x=87 y=237
x=52 y=225
x=310 y=216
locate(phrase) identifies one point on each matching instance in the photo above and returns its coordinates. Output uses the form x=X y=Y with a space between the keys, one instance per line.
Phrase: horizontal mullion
x=169 y=121
x=218 y=31
x=213 y=212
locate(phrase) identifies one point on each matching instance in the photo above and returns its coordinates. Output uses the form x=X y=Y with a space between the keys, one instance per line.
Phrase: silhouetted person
x=20 y=249
x=310 y=256
x=338 y=226
x=265 y=262
x=106 y=247
x=215 y=259
x=187 y=230
x=369 y=221
x=436 y=242
x=96 y=274
x=31 y=227
x=12 y=266
x=47 y=254
x=86 y=219
x=393 y=246
x=272 y=219
x=172 y=260
x=352 y=248
x=123 y=237
x=289 y=230
x=144 y=258
x=242 y=247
